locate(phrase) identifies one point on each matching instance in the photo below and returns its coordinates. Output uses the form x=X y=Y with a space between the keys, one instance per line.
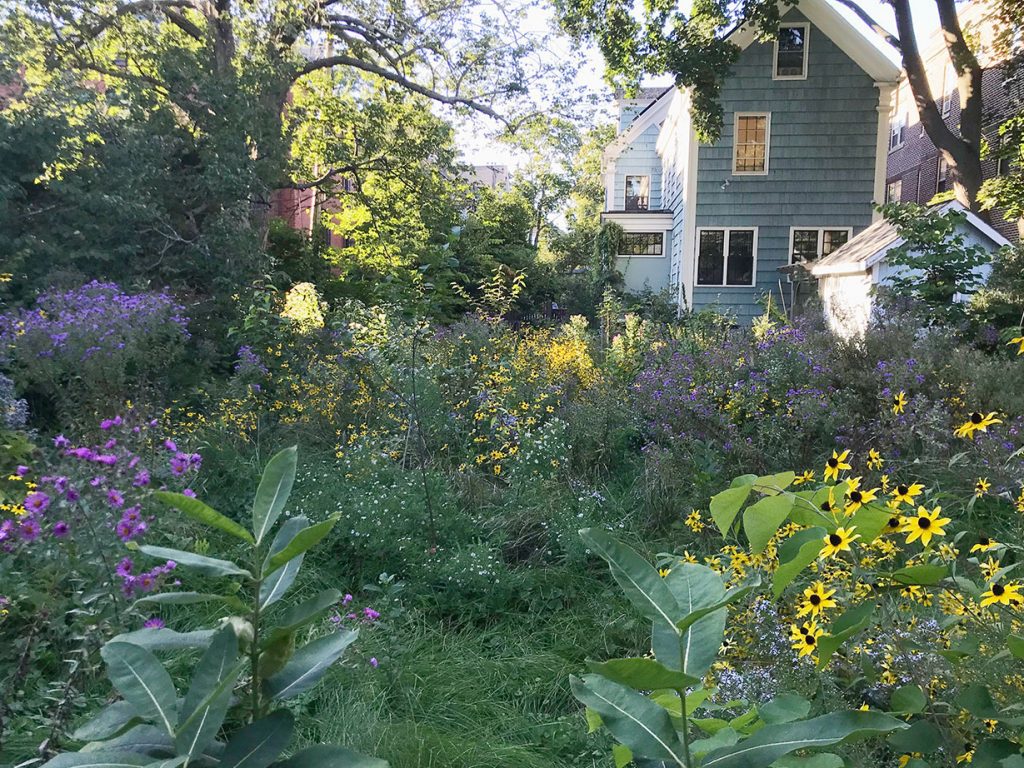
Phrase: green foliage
x=151 y=722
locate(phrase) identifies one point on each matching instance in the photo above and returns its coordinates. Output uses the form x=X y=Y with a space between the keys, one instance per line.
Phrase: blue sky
x=475 y=137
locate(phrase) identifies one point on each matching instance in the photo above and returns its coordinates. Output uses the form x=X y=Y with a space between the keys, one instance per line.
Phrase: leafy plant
x=648 y=704
x=250 y=664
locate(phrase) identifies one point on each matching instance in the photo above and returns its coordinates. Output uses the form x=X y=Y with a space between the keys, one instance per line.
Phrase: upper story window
x=726 y=256
x=638 y=193
x=897 y=124
x=791 y=52
x=942 y=176
x=894 y=191
x=750 y=143
x=808 y=244
x=642 y=244
x=948 y=89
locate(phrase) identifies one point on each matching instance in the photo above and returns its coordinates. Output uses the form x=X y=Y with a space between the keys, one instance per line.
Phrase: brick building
x=915 y=170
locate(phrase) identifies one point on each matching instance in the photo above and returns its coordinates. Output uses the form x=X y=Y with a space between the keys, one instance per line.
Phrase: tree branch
x=968 y=73
x=875 y=27
x=128 y=9
x=405 y=82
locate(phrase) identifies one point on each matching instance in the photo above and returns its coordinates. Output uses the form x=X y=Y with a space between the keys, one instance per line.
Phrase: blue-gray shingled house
x=797 y=172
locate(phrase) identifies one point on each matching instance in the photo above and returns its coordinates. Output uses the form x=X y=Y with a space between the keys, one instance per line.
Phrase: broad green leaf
x=870 y=520
x=206 y=565
x=299 y=544
x=273 y=492
x=107 y=723
x=922 y=736
x=821 y=760
x=637 y=577
x=908 y=699
x=722 y=737
x=190 y=598
x=101 y=758
x=1016 y=645
x=694 y=588
x=308 y=665
x=146 y=739
x=925 y=575
x=669 y=701
x=164 y=639
x=962 y=649
x=976 y=699
x=773 y=741
x=994 y=752
x=642 y=674
x=734 y=594
x=330 y=756
x=622 y=755
x=784 y=708
x=633 y=719
x=770 y=485
x=209 y=694
x=726 y=505
x=594 y=721
x=762 y=519
x=845 y=627
x=711 y=725
x=277 y=584
x=172 y=762
x=300 y=615
x=202 y=513
x=744 y=723
x=798 y=552
x=140 y=677
x=743 y=481
x=259 y=743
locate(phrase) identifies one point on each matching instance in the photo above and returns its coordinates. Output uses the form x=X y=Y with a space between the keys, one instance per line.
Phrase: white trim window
x=790 y=59
x=638 y=193
x=894 y=191
x=642 y=244
x=942 y=180
x=808 y=244
x=751 y=141
x=897 y=124
x=726 y=256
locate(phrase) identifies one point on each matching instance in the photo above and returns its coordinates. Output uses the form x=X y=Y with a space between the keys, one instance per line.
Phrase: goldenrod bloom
x=976 y=422
x=836 y=464
x=924 y=525
x=899 y=402
x=981 y=487
x=875 y=460
x=816 y=599
x=808 y=641
x=1004 y=594
x=839 y=541
x=984 y=544
x=806 y=477
x=858 y=497
x=1019 y=341
x=904 y=494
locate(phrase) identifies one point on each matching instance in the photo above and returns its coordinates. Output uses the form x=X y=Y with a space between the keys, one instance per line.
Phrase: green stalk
x=254 y=649
x=686 y=726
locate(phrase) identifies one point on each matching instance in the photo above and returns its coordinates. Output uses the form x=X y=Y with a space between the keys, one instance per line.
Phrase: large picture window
x=810 y=243
x=726 y=256
x=791 y=52
x=642 y=244
x=750 y=150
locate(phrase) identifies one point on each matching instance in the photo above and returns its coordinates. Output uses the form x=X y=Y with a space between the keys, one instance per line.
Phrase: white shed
x=848 y=275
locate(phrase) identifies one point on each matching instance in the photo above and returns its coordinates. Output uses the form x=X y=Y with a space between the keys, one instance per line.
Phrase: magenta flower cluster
x=144 y=582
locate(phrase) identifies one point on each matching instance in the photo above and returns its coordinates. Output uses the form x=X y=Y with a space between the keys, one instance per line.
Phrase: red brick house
x=915 y=171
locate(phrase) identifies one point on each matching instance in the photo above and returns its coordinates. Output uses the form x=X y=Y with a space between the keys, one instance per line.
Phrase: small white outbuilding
x=848 y=276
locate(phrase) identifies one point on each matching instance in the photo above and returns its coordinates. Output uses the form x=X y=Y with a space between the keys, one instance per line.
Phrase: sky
x=475 y=137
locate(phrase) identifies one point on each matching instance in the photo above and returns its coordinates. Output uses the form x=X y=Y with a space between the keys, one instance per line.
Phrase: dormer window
x=638 y=193
x=791 y=52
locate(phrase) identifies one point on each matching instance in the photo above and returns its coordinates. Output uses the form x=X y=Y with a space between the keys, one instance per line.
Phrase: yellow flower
x=838 y=542
x=829 y=505
x=984 y=544
x=965 y=757
x=694 y=522
x=989 y=568
x=1004 y=594
x=806 y=477
x=816 y=600
x=1019 y=341
x=981 y=487
x=858 y=497
x=836 y=464
x=884 y=479
x=976 y=422
x=899 y=402
x=894 y=524
x=663 y=572
x=904 y=494
x=875 y=460
x=808 y=638
x=924 y=525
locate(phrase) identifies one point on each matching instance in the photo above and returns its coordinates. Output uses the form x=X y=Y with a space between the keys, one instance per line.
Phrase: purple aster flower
x=170 y=445
x=37 y=502
x=154 y=623
x=373 y=662
x=72 y=494
x=61 y=442
x=370 y=614
x=29 y=529
x=142 y=478
x=115 y=498
x=124 y=568
x=60 y=529
x=189 y=492
x=21 y=471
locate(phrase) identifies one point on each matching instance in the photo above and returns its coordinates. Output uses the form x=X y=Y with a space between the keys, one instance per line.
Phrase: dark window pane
x=642 y=244
x=710 y=262
x=638 y=193
x=805 y=245
x=741 y=257
x=790 y=62
x=832 y=239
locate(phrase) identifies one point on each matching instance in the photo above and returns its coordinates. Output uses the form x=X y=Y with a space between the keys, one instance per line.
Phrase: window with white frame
x=750 y=143
x=948 y=88
x=791 y=52
x=897 y=124
x=810 y=243
x=726 y=256
x=894 y=191
x=642 y=244
x=638 y=193
x=942 y=176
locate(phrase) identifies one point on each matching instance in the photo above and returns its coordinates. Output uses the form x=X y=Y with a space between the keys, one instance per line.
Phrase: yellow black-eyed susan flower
x=695 y=522
x=924 y=525
x=984 y=544
x=816 y=599
x=829 y=505
x=976 y=422
x=899 y=402
x=663 y=572
x=875 y=460
x=857 y=497
x=981 y=486
x=1019 y=341
x=806 y=476
x=893 y=524
x=839 y=541
x=808 y=641
x=836 y=464
x=1002 y=594
x=905 y=494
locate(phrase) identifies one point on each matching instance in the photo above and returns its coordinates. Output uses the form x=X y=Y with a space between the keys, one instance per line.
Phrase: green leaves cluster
x=231 y=714
x=648 y=704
